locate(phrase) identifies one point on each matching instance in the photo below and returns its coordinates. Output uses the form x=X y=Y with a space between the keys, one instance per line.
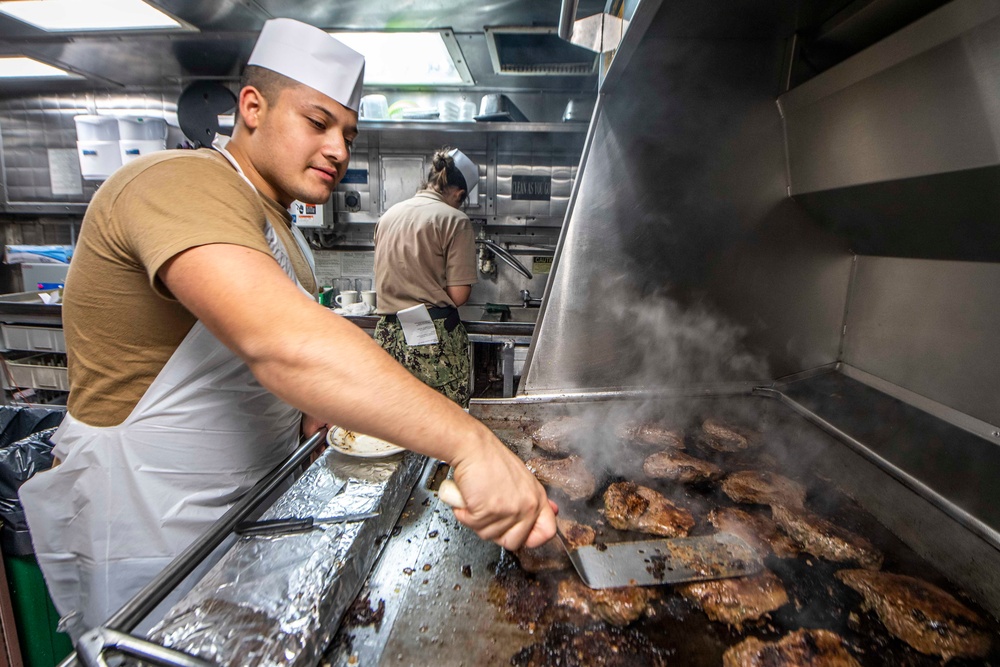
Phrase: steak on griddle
x=631 y=507
x=651 y=434
x=725 y=438
x=555 y=435
x=551 y=555
x=617 y=606
x=826 y=540
x=802 y=648
x=569 y=475
x=921 y=614
x=679 y=467
x=760 y=532
x=763 y=488
x=738 y=600
x=574 y=534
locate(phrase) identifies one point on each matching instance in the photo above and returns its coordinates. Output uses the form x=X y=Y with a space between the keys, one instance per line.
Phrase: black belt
x=446 y=313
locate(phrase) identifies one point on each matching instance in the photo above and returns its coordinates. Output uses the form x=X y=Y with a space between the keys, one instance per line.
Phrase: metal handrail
x=567 y=17
x=146 y=600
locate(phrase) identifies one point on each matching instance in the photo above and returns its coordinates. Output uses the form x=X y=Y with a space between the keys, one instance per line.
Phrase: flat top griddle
x=440 y=584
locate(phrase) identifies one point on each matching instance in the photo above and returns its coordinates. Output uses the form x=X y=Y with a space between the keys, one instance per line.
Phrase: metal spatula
x=664 y=561
x=650 y=562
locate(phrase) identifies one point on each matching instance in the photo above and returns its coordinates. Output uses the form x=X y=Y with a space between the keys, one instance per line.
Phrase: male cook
x=182 y=393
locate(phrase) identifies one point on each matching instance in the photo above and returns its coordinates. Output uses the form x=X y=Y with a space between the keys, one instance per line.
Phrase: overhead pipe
x=567 y=17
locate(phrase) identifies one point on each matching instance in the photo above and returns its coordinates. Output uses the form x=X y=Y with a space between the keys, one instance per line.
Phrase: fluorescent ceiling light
x=77 y=15
x=23 y=67
x=406 y=58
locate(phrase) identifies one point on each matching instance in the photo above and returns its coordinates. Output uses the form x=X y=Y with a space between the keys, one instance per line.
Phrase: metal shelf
x=454 y=126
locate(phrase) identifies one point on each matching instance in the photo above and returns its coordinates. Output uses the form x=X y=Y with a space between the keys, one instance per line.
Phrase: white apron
x=127 y=499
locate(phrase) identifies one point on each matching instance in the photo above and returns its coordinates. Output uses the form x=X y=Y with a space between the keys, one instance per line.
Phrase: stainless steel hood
x=898 y=148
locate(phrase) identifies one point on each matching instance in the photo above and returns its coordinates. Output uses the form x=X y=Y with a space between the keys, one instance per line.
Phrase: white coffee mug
x=368 y=296
x=346 y=298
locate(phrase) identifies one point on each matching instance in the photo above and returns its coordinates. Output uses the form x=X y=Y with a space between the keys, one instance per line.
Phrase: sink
x=520 y=315
x=478 y=313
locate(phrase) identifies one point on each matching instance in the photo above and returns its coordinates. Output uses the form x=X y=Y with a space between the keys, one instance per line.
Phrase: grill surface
x=439 y=611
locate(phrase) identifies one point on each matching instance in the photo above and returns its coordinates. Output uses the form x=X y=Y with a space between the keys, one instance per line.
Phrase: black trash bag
x=17 y=421
x=19 y=462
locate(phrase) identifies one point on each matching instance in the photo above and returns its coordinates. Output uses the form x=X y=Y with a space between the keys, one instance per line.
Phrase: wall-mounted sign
x=532 y=188
x=541 y=264
x=355 y=176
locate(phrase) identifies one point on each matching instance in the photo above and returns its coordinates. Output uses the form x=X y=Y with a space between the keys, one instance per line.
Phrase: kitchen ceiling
x=226 y=30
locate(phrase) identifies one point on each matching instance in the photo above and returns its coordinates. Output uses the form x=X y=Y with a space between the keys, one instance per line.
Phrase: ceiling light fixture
x=410 y=58
x=22 y=67
x=93 y=15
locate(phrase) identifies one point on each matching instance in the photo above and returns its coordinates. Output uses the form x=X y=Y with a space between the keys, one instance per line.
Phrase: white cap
x=469 y=170
x=308 y=55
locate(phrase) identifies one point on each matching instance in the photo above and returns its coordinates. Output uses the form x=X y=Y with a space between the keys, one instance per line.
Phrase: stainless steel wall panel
x=936 y=111
x=931 y=327
x=898 y=148
x=683 y=261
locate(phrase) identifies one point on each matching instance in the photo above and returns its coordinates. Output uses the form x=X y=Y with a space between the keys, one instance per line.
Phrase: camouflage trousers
x=443 y=366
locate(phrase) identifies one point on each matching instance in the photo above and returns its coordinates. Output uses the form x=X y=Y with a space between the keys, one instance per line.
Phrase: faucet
x=527 y=300
x=508 y=258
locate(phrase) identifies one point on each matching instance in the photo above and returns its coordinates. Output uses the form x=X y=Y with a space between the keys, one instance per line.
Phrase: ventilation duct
x=537 y=51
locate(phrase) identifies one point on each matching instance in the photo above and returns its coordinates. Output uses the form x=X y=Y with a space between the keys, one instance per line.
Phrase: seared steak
x=617 y=606
x=763 y=488
x=726 y=438
x=569 y=475
x=549 y=556
x=826 y=540
x=631 y=507
x=760 y=532
x=680 y=467
x=921 y=614
x=552 y=555
x=575 y=534
x=555 y=435
x=651 y=434
x=802 y=648
x=735 y=601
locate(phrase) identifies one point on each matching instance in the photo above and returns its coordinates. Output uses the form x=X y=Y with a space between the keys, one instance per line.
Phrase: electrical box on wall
x=307 y=216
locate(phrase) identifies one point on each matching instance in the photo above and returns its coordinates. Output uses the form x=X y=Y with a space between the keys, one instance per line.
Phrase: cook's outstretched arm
x=329 y=368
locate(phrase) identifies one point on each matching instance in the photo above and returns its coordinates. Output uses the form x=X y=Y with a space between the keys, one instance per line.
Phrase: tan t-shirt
x=121 y=322
x=422 y=245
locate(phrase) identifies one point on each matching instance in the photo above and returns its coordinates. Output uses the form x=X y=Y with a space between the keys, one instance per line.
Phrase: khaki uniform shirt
x=121 y=322
x=422 y=245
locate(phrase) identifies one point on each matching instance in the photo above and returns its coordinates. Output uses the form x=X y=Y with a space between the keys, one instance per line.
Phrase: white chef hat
x=308 y=55
x=470 y=172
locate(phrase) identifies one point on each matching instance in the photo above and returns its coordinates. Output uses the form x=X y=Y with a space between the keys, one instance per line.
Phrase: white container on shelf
x=142 y=128
x=133 y=148
x=96 y=128
x=98 y=159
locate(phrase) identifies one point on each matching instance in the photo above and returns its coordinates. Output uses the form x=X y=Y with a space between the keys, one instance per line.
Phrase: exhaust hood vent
x=537 y=51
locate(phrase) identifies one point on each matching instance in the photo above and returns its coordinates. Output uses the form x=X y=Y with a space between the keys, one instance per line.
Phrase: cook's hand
x=309 y=426
x=503 y=502
x=312 y=424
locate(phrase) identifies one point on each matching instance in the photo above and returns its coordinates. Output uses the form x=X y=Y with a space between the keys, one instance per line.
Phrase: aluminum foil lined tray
x=277 y=600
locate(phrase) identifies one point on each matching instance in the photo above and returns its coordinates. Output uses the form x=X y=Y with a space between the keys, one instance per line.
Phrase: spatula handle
x=449 y=494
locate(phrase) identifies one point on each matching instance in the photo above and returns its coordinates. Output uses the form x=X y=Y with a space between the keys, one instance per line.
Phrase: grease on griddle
x=571 y=646
x=657 y=566
x=360 y=613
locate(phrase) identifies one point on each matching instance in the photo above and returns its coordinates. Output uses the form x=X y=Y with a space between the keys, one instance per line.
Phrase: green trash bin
x=24 y=450
x=34 y=614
